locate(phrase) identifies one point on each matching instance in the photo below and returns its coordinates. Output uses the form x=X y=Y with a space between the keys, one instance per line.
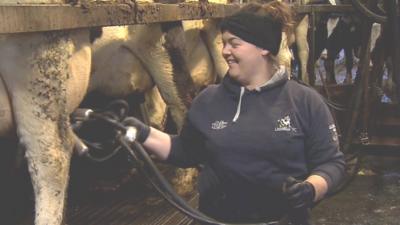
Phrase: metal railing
x=18 y=18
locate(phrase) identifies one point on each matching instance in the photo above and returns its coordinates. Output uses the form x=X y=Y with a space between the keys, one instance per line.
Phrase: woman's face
x=245 y=60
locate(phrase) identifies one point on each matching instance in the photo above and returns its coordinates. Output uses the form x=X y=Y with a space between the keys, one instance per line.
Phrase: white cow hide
x=44 y=76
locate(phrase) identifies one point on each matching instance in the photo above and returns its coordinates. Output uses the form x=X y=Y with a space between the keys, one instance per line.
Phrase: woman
x=267 y=144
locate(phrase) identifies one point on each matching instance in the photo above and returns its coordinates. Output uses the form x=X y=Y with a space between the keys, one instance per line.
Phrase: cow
x=44 y=76
x=117 y=71
x=341 y=32
x=336 y=33
x=129 y=59
x=135 y=59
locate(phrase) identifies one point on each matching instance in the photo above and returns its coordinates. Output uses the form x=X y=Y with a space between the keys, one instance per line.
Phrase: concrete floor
x=373 y=198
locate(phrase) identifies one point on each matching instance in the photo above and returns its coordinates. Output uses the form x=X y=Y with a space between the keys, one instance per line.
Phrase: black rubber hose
x=330 y=103
x=100 y=158
x=163 y=187
x=171 y=197
x=110 y=121
x=368 y=13
x=183 y=206
x=119 y=106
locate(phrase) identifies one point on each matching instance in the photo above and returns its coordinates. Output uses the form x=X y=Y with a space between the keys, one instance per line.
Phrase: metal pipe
x=311 y=61
x=393 y=21
x=358 y=95
x=368 y=13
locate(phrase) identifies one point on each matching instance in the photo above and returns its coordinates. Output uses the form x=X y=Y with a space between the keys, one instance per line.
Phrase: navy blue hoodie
x=250 y=141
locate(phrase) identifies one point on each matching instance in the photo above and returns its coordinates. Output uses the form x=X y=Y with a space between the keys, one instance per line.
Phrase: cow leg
x=175 y=45
x=339 y=39
x=48 y=148
x=149 y=49
x=213 y=40
x=284 y=54
x=349 y=64
x=302 y=46
x=333 y=48
x=155 y=108
x=330 y=70
x=390 y=84
x=48 y=151
x=35 y=70
x=155 y=58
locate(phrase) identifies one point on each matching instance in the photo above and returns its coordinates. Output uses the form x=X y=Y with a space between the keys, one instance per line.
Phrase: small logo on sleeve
x=218 y=125
x=284 y=125
x=332 y=128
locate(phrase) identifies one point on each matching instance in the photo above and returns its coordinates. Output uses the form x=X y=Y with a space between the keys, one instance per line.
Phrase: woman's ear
x=264 y=52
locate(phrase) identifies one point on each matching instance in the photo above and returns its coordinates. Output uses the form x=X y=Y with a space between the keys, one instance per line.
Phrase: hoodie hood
x=234 y=87
x=237 y=90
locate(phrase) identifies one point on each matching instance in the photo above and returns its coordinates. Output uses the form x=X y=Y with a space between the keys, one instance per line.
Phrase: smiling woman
x=246 y=61
x=267 y=144
x=252 y=39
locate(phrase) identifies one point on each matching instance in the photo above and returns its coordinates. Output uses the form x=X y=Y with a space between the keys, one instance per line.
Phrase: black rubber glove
x=143 y=130
x=299 y=193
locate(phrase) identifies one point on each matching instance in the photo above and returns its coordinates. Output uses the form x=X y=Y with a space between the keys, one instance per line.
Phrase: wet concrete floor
x=373 y=198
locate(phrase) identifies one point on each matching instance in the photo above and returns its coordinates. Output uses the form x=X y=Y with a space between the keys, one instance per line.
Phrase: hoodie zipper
x=239 y=105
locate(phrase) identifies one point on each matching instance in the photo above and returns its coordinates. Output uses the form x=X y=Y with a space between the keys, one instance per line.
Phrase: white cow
x=44 y=76
x=118 y=71
x=204 y=46
x=129 y=59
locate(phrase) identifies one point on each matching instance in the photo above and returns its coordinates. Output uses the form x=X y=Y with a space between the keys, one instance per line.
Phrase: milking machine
x=122 y=136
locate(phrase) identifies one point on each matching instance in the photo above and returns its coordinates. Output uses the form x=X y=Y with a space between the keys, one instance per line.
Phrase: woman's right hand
x=155 y=141
x=143 y=130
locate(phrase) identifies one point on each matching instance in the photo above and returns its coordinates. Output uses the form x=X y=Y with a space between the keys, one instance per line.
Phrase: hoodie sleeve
x=187 y=149
x=322 y=146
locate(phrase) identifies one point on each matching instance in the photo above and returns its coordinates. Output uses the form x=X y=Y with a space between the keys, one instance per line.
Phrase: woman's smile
x=231 y=62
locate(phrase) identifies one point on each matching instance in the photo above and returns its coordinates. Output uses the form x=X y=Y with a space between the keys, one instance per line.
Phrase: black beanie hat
x=262 y=31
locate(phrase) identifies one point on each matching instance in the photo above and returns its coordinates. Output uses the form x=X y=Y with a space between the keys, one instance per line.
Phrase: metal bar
x=363 y=72
x=366 y=85
x=311 y=57
x=323 y=8
x=33 y=18
x=394 y=25
x=44 y=17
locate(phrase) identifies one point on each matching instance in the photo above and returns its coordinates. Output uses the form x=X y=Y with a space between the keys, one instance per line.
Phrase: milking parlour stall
x=74 y=73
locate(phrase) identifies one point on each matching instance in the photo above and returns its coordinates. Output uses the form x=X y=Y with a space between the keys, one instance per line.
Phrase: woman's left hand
x=299 y=193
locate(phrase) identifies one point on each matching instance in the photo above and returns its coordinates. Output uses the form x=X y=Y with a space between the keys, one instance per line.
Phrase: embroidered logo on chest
x=284 y=124
x=218 y=125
